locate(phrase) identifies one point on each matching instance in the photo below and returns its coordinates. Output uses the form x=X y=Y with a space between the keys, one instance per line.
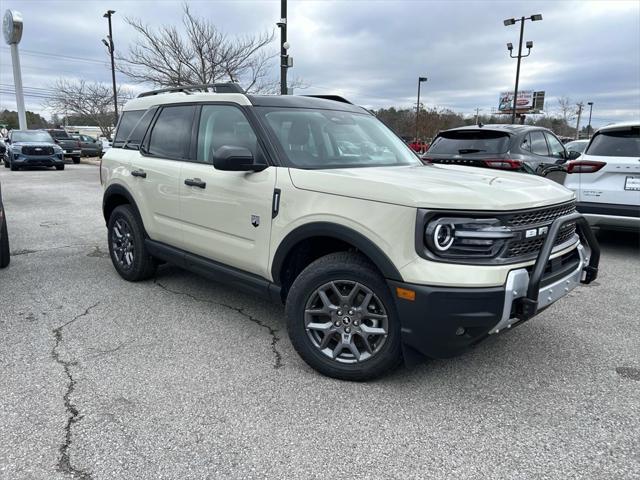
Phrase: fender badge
x=255 y=220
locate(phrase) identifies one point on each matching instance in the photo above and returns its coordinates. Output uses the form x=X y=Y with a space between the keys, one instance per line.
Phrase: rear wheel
x=341 y=318
x=59 y=167
x=126 y=245
x=76 y=160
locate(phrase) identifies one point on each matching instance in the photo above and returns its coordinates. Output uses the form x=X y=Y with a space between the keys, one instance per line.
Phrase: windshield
x=335 y=139
x=616 y=143
x=59 y=134
x=578 y=146
x=34 y=136
x=461 y=142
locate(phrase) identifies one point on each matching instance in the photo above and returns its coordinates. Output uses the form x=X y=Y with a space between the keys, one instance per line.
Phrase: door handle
x=139 y=173
x=195 y=182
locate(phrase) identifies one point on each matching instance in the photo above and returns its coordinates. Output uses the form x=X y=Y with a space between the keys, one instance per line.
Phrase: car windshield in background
x=463 y=142
x=59 y=134
x=319 y=139
x=127 y=122
x=577 y=146
x=616 y=143
x=34 y=136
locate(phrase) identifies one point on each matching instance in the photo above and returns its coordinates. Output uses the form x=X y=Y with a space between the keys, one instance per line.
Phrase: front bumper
x=38 y=160
x=442 y=322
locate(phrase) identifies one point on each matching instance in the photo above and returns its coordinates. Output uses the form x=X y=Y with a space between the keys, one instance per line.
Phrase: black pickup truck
x=71 y=146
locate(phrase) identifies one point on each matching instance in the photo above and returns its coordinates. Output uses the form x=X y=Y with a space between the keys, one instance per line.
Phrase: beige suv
x=313 y=202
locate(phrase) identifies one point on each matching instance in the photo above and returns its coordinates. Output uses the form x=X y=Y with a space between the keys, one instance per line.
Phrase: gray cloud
x=373 y=51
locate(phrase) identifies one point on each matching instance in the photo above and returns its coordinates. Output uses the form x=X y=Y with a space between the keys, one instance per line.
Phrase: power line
x=56 y=55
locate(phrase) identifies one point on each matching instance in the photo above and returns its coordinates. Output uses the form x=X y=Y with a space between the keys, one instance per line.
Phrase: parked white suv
x=606 y=178
x=314 y=202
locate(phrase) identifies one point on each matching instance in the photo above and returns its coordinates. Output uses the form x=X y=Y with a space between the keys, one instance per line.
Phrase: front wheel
x=126 y=245
x=342 y=320
x=76 y=160
x=59 y=167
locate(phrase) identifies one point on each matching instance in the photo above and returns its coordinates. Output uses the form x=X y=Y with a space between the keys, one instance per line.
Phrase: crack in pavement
x=272 y=331
x=64 y=462
x=26 y=251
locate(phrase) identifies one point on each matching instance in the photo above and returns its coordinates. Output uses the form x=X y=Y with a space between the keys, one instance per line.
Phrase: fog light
x=460 y=331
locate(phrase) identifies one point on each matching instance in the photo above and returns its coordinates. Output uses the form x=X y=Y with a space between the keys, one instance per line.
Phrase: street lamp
x=590 y=111
x=109 y=45
x=285 y=61
x=420 y=80
x=513 y=21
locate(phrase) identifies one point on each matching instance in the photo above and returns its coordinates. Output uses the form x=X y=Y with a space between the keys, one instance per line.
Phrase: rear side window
x=127 y=122
x=617 y=143
x=137 y=134
x=171 y=134
x=461 y=142
x=539 y=144
x=526 y=143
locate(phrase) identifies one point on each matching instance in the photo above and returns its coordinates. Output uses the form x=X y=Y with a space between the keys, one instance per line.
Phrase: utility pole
x=284 y=60
x=512 y=21
x=113 y=66
x=477 y=115
x=590 y=111
x=580 y=105
x=420 y=80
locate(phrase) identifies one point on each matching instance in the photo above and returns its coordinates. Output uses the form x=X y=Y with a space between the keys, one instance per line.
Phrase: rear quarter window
x=470 y=141
x=127 y=122
x=616 y=143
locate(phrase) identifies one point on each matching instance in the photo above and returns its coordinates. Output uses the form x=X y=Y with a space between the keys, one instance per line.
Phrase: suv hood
x=436 y=186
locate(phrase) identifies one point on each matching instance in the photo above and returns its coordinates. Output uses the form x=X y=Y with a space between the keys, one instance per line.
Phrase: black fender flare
x=117 y=189
x=339 y=232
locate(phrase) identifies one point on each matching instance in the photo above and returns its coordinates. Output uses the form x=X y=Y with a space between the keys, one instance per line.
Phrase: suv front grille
x=524 y=248
x=37 y=150
x=544 y=215
x=521 y=248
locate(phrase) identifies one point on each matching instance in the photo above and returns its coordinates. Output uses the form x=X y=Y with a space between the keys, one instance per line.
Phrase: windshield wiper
x=462 y=151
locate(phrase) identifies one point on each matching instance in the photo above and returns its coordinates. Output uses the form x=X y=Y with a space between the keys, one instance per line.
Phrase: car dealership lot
x=181 y=377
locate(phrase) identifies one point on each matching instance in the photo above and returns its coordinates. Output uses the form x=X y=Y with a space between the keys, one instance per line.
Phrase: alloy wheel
x=122 y=244
x=346 y=321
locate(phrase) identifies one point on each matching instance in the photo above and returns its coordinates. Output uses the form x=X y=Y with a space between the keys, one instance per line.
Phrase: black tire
x=142 y=266
x=342 y=267
x=14 y=168
x=76 y=160
x=59 y=167
x=6 y=164
x=4 y=244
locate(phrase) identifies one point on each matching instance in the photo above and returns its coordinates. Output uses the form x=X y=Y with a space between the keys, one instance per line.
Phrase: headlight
x=457 y=237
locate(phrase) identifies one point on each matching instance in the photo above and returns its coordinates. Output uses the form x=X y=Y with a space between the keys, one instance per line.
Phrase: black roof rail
x=215 y=87
x=335 y=98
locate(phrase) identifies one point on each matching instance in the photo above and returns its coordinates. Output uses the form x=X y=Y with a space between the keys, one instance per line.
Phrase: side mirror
x=7 y=140
x=572 y=155
x=236 y=159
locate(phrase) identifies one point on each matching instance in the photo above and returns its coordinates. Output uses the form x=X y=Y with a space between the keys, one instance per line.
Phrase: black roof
x=300 y=101
x=512 y=129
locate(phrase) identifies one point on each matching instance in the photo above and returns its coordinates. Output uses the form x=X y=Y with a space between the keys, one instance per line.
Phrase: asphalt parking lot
x=181 y=377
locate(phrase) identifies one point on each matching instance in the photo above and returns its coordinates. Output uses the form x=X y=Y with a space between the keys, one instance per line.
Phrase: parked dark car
x=4 y=236
x=71 y=146
x=520 y=148
x=89 y=146
x=32 y=148
x=3 y=148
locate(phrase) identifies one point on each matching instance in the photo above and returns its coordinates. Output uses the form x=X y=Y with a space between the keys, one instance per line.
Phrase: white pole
x=17 y=80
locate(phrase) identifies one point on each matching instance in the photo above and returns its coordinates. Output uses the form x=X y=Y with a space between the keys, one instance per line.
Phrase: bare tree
x=200 y=54
x=93 y=101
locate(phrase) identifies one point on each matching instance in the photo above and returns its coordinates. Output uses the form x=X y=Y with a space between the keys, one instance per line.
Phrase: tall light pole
x=512 y=21
x=420 y=80
x=12 y=28
x=590 y=111
x=284 y=45
x=110 y=47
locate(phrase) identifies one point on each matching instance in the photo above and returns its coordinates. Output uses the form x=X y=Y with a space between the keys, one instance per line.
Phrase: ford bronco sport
x=315 y=203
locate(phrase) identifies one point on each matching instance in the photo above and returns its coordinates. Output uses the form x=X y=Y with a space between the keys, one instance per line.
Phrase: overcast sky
x=371 y=51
